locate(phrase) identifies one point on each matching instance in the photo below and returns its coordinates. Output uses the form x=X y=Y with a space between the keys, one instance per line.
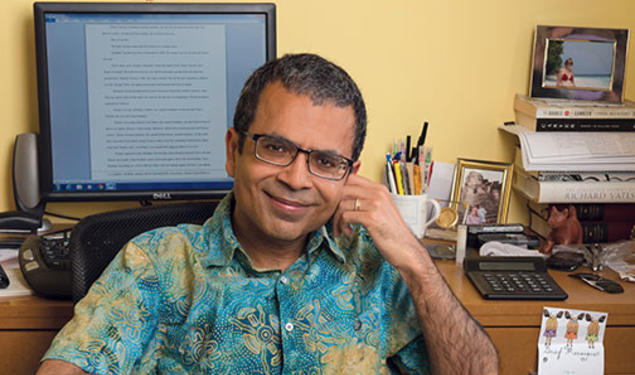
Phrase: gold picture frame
x=486 y=188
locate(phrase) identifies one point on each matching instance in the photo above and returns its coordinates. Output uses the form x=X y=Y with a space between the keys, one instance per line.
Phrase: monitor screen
x=135 y=99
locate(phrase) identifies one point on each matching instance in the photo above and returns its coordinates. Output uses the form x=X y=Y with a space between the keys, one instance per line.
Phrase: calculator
x=502 y=277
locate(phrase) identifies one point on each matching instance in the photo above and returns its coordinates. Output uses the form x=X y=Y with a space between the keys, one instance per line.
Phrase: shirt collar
x=222 y=242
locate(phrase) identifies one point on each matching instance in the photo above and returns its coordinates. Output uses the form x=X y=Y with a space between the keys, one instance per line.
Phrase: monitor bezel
x=45 y=152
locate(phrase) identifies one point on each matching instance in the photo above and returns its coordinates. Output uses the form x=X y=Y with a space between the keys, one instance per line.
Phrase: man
x=305 y=268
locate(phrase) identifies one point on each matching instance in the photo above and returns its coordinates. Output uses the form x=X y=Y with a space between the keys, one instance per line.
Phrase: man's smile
x=289 y=205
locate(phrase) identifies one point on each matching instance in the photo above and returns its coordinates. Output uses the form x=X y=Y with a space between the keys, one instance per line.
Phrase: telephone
x=46 y=265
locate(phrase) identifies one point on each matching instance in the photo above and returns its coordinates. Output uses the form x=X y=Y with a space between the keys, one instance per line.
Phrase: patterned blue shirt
x=187 y=299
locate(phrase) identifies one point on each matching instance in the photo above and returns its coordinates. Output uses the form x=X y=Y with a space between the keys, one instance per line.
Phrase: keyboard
x=46 y=265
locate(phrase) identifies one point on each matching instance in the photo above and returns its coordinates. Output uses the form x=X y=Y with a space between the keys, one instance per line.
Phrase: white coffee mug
x=414 y=211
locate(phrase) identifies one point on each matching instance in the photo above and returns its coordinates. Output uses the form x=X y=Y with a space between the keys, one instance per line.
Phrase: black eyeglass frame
x=308 y=152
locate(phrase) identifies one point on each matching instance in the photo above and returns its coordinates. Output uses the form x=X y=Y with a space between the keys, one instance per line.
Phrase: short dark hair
x=305 y=74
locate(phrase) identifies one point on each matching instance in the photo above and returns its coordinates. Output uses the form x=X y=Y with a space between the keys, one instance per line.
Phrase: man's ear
x=231 y=150
x=356 y=165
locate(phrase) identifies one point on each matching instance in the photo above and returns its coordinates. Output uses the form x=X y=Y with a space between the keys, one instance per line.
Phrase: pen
x=424 y=133
x=398 y=180
x=410 y=174
x=427 y=167
x=408 y=155
x=404 y=177
x=416 y=176
x=390 y=175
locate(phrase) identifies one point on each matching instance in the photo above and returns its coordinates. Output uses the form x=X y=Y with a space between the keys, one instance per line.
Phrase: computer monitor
x=135 y=99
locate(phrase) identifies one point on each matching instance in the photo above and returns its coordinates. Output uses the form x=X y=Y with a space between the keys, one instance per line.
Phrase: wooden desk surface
x=32 y=312
x=621 y=307
x=28 y=324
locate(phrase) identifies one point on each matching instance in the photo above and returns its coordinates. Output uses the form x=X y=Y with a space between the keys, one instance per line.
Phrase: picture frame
x=596 y=60
x=485 y=187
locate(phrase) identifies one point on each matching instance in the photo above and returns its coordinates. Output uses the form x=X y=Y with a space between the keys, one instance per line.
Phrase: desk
x=514 y=325
x=27 y=327
x=28 y=324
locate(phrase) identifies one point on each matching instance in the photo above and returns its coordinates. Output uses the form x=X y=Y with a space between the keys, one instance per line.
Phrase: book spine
x=606 y=231
x=562 y=124
x=586 y=192
x=609 y=212
x=591 y=231
x=538 y=224
x=572 y=191
x=543 y=110
x=584 y=125
x=586 y=113
x=623 y=176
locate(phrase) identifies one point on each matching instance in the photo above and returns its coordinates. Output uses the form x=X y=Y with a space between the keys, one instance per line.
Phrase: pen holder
x=414 y=211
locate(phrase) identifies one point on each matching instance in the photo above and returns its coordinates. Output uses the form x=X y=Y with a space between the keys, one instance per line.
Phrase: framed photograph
x=579 y=63
x=484 y=188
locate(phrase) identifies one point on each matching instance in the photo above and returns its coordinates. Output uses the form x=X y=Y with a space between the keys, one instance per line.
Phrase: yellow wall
x=454 y=63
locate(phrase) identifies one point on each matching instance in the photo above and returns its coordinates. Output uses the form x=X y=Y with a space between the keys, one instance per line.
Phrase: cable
x=61 y=216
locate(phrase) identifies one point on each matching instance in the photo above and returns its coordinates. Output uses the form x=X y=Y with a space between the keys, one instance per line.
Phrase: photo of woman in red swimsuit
x=565 y=75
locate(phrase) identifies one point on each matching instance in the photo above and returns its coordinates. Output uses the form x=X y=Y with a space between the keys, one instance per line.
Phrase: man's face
x=284 y=204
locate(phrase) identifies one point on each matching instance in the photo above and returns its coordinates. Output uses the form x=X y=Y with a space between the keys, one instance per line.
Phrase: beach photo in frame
x=485 y=187
x=579 y=63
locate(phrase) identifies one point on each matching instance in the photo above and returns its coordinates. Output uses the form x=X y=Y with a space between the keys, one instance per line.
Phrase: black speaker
x=26 y=181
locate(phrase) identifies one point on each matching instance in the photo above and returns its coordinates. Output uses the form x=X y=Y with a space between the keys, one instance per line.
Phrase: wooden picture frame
x=596 y=57
x=485 y=189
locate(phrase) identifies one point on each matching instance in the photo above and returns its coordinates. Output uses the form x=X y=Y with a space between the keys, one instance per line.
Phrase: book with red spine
x=591 y=211
x=592 y=231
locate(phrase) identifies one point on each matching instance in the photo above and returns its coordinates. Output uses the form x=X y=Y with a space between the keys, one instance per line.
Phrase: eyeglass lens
x=281 y=152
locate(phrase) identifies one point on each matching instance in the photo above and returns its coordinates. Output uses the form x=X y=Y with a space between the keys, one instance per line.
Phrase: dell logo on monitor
x=161 y=196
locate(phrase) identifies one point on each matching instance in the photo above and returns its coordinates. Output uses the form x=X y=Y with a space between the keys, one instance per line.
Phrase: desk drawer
x=22 y=350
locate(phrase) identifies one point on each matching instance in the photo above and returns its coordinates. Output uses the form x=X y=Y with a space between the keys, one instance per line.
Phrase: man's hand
x=377 y=212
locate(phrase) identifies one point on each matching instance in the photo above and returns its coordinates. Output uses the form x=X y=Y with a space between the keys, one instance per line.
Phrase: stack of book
x=566 y=115
x=588 y=163
x=560 y=185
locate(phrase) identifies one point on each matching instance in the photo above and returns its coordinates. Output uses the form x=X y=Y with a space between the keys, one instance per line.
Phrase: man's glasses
x=599 y=282
x=279 y=151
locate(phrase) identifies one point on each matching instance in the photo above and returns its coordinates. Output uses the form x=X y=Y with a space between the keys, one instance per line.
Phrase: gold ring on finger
x=357 y=205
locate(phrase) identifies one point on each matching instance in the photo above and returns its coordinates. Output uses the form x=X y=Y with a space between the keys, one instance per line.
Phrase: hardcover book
x=554 y=115
x=610 y=212
x=592 y=231
x=572 y=191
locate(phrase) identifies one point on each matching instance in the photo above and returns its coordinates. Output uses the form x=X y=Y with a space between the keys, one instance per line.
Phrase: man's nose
x=296 y=175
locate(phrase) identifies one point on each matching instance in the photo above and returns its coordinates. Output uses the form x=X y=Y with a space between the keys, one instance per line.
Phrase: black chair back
x=96 y=239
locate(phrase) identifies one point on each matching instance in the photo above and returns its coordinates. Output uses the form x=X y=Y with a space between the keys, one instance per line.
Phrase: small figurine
x=572 y=328
x=565 y=228
x=551 y=325
x=593 y=329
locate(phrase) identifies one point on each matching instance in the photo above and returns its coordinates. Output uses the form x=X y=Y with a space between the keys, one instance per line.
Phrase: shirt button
x=284 y=280
x=288 y=327
x=357 y=325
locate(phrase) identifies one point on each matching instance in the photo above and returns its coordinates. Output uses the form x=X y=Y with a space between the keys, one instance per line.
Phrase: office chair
x=96 y=239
